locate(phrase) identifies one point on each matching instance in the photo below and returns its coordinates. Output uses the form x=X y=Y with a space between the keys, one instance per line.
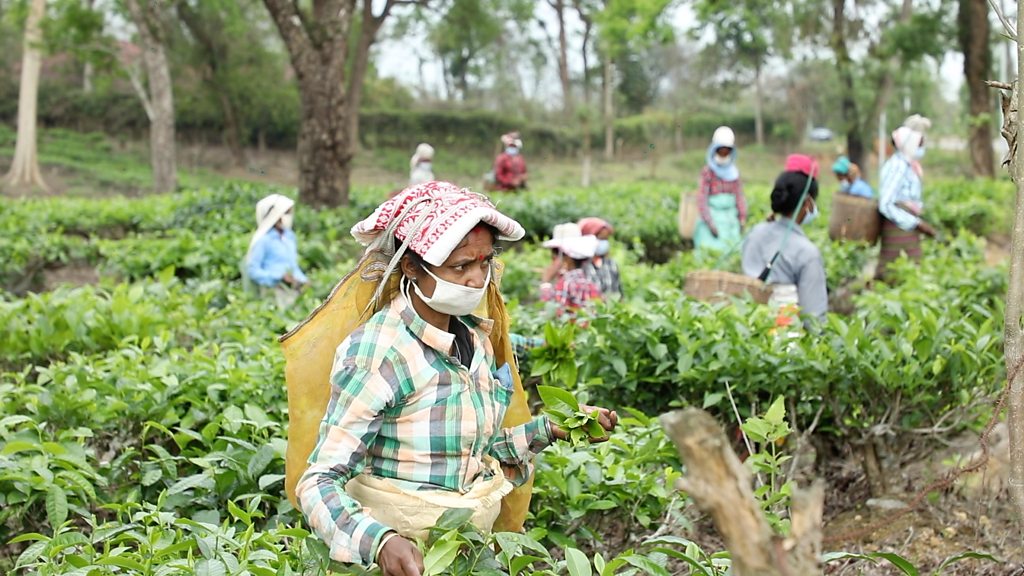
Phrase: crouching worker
x=415 y=423
x=272 y=262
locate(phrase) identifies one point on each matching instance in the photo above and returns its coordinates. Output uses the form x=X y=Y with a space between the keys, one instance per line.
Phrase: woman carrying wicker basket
x=779 y=253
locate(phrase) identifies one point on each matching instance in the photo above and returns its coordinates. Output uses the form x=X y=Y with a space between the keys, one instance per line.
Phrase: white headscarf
x=907 y=141
x=269 y=210
x=423 y=152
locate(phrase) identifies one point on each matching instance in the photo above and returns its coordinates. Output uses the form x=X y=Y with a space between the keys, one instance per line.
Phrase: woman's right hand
x=400 y=557
x=927 y=229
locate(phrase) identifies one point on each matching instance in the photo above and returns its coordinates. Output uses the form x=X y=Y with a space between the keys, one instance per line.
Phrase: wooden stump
x=722 y=487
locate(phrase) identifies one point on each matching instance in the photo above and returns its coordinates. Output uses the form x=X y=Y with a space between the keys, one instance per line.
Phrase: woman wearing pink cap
x=779 y=253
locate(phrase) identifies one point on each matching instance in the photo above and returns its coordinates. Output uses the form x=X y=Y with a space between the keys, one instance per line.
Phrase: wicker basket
x=717 y=285
x=854 y=218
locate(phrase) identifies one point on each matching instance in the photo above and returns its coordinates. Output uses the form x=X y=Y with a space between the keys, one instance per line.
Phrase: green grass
x=94 y=164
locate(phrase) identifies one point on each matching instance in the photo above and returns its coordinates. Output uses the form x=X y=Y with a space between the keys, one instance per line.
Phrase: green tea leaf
x=56 y=507
x=556 y=398
x=439 y=557
x=577 y=563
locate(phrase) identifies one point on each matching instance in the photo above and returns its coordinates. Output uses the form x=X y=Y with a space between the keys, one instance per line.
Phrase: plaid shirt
x=405 y=409
x=710 y=184
x=605 y=275
x=572 y=290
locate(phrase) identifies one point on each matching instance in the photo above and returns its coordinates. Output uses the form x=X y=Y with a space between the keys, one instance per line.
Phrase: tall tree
x=974 y=35
x=906 y=39
x=318 y=43
x=747 y=33
x=560 y=7
x=157 y=95
x=25 y=165
x=625 y=27
x=213 y=27
x=1013 y=335
x=461 y=36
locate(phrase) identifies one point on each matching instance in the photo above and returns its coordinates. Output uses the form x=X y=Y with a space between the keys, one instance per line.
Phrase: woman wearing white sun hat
x=272 y=262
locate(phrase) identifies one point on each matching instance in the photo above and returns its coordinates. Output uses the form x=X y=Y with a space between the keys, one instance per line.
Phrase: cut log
x=721 y=486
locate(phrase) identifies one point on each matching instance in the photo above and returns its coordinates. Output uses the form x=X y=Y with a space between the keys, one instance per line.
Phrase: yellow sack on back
x=309 y=351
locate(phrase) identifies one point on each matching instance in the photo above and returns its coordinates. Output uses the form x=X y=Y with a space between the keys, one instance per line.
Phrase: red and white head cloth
x=431 y=219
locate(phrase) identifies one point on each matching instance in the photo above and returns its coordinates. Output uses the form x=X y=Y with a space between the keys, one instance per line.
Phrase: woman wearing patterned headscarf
x=899 y=198
x=415 y=421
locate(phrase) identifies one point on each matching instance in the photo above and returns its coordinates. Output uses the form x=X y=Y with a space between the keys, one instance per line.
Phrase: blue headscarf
x=728 y=172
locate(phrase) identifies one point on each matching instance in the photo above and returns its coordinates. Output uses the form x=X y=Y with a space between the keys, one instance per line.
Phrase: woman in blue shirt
x=273 y=258
x=850 y=181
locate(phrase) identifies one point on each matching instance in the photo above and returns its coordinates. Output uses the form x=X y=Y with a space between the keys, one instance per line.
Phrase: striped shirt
x=899 y=183
x=404 y=408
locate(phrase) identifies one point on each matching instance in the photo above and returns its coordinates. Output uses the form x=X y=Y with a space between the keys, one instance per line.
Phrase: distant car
x=820 y=134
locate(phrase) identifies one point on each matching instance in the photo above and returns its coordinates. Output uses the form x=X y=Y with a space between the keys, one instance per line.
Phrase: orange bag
x=309 y=350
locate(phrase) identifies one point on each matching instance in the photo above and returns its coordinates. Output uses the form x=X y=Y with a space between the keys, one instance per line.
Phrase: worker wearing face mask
x=509 y=166
x=420 y=390
x=272 y=262
x=601 y=269
x=779 y=253
x=899 y=196
x=720 y=200
x=850 y=181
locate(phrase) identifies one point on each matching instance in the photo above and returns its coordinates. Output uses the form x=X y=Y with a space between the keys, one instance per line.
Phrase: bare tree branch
x=135 y=77
x=1011 y=32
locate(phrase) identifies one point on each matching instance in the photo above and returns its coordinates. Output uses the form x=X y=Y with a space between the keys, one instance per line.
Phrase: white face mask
x=287 y=220
x=453 y=299
x=722 y=160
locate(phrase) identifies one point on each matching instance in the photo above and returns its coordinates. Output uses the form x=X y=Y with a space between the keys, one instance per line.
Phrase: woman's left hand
x=608 y=419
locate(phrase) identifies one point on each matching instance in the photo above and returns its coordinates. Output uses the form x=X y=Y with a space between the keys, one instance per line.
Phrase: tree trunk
x=318 y=57
x=563 y=56
x=367 y=36
x=974 y=42
x=325 y=161
x=1013 y=127
x=677 y=134
x=25 y=165
x=232 y=129
x=204 y=28
x=161 y=96
x=88 y=70
x=720 y=485
x=848 y=102
x=585 y=118
x=758 y=106
x=883 y=91
x=608 y=113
